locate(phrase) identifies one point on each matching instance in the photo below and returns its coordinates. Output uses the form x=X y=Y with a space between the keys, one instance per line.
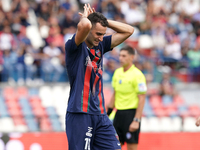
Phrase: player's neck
x=127 y=67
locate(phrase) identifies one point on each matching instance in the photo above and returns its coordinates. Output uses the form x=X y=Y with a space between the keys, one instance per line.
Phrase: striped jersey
x=84 y=69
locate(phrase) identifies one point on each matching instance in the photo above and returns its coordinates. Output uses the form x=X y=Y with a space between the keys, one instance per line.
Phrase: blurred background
x=34 y=85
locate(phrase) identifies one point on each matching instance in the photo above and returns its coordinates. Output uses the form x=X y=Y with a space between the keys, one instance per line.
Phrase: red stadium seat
x=194 y=110
x=9 y=92
x=171 y=110
x=178 y=100
x=22 y=92
x=15 y=112
x=18 y=121
x=39 y=112
x=12 y=104
x=155 y=101
x=160 y=112
x=45 y=124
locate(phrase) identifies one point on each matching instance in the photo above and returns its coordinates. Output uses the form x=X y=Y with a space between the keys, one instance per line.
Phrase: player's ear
x=132 y=57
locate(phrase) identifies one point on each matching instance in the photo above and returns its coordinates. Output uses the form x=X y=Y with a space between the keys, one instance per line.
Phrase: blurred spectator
x=6 y=39
x=52 y=68
x=194 y=63
x=165 y=31
x=166 y=89
x=9 y=62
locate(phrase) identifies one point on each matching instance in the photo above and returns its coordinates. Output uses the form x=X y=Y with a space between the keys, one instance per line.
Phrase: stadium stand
x=34 y=84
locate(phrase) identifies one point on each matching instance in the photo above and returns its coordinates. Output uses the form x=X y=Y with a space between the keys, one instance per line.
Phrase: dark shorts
x=122 y=121
x=90 y=132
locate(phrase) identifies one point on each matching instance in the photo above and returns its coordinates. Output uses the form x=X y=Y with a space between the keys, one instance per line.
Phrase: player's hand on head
x=87 y=11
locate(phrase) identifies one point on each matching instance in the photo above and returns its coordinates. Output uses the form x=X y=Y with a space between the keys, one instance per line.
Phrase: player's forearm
x=141 y=103
x=84 y=24
x=120 y=27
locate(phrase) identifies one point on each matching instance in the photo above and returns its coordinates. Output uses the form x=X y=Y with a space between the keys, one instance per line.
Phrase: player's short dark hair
x=98 y=17
x=129 y=49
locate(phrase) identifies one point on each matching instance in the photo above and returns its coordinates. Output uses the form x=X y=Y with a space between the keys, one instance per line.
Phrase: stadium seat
x=33 y=91
x=167 y=100
x=148 y=111
x=20 y=125
x=62 y=121
x=189 y=124
x=66 y=92
x=3 y=109
x=25 y=107
x=145 y=124
x=58 y=92
x=45 y=124
x=15 y=112
x=18 y=120
x=12 y=104
x=155 y=101
x=22 y=92
x=9 y=92
x=194 y=110
x=39 y=112
x=171 y=111
x=183 y=111
x=21 y=128
x=56 y=125
x=160 y=112
x=178 y=100
x=166 y=124
x=154 y=124
x=176 y=124
x=51 y=112
x=45 y=93
x=6 y=124
x=32 y=124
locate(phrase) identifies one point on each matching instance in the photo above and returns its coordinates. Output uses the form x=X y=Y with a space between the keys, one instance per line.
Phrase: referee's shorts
x=122 y=121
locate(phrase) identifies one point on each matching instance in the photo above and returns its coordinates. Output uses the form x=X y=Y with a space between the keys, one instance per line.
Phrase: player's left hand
x=134 y=126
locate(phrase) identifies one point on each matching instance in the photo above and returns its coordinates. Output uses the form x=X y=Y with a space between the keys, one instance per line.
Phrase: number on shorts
x=87 y=143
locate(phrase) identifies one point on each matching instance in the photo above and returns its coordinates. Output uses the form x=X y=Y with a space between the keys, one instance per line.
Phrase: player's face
x=96 y=35
x=125 y=58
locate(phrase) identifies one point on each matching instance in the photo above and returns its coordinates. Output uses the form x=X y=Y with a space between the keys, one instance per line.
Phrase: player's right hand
x=87 y=11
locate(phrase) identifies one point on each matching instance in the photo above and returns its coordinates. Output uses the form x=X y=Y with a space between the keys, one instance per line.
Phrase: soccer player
x=87 y=124
x=128 y=98
x=198 y=122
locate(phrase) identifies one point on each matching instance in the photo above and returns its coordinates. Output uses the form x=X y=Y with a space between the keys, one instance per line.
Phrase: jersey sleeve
x=107 y=43
x=140 y=83
x=70 y=45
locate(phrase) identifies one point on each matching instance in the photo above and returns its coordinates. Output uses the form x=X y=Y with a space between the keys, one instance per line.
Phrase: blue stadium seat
x=26 y=107
x=3 y=108
x=32 y=124
x=33 y=91
x=56 y=125
x=51 y=112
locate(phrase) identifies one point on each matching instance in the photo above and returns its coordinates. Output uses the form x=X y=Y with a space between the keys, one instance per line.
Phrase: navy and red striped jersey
x=84 y=69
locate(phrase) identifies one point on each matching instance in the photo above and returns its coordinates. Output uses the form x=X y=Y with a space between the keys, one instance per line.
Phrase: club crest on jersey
x=98 y=52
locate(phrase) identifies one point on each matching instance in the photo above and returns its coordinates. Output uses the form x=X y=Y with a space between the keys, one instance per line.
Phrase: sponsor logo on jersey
x=142 y=87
